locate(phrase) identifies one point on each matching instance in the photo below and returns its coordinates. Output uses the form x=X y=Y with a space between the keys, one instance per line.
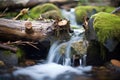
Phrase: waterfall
x=55 y=55
x=70 y=15
x=54 y=52
x=58 y=61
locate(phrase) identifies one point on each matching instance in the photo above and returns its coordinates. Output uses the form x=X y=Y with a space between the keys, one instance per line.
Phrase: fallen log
x=13 y=4
x=13 y=30
x=7 y=47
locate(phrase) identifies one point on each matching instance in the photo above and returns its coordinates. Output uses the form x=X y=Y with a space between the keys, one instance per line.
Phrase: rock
x=9 y=58
x=103 y=35
x=80 y=47
x=106 y=26
x=29 y=62
x=77 y=48
x=2 y=63
x=36 y=11
x=116 y=11
x=115 y=62
x=94 y=54
x=49 y=15
x=83 y=11
x=36 y=54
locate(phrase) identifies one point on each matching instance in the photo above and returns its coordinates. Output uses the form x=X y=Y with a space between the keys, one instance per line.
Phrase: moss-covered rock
x=82 y=11
x=107 y=9
x=8 y=57
x=116 y=11
x=49 y=14
x=106 y=26
x=77 y=48
x=35 y=12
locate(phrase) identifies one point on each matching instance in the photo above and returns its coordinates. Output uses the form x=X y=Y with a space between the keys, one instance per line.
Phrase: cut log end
x=62 y=23
x=28 y=28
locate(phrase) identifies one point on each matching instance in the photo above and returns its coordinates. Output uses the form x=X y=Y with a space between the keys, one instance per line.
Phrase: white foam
x=50 y=70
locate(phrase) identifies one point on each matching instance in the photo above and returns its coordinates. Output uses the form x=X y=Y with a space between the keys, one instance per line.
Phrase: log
x=13 y=49
x=13 y=30
x=16 y=4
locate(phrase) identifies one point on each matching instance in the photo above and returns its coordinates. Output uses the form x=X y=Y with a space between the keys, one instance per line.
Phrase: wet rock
x=2 y=63
x=115 y=62
x=103 y=38
x=80 y=47
x=116 y=11
x=36 y=54
x=29 y=62
x=93 y=54
x=9 y=58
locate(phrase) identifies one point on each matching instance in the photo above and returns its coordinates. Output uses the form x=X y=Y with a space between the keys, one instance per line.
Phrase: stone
x=88 y=11
x=44 y=9
x=9 y=58
x=115 y=62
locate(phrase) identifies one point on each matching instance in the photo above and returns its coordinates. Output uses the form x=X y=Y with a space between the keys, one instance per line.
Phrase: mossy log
x=12 y=30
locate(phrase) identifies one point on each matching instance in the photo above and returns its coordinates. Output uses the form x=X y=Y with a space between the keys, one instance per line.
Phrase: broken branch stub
x=28 y=28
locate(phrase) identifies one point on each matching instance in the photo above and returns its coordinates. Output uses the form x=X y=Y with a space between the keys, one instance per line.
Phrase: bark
x=12 y=30
x=7 y=47
x=17 y=4
x=13 y=4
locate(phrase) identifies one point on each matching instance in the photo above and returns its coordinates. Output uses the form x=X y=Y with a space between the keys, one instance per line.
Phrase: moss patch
x=107 y=9
x=106 y=26
x=40 y=9
x=49 y=14
x=82 y=11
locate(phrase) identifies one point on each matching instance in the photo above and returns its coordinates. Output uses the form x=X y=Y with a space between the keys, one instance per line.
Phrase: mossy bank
x=48 y=10
x=82 y=11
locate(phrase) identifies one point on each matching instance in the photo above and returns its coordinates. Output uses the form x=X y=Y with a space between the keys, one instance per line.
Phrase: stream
x=58 y=65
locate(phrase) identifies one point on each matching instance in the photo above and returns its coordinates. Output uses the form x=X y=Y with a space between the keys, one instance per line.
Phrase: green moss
x=49 y=14
x=10 y=14
x=107 y=9
x=7 y=52
x=82 y=11
x=106 y=26
x=19 y=53
x=40 y=9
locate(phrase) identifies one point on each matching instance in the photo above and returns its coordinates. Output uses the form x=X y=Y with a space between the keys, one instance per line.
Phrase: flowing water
x=53 y=69
x=70 y=15
x=58 y=64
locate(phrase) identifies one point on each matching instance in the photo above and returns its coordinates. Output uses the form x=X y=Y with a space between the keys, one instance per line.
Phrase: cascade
x=58 y=62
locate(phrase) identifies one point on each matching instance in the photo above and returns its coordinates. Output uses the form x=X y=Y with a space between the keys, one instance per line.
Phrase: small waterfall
x=70 y=15
x=52 y=70
x=52 y=52
x=55 y=55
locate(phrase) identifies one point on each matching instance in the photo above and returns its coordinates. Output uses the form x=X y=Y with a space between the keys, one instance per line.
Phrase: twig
x=7 y=47
x=24 y=42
